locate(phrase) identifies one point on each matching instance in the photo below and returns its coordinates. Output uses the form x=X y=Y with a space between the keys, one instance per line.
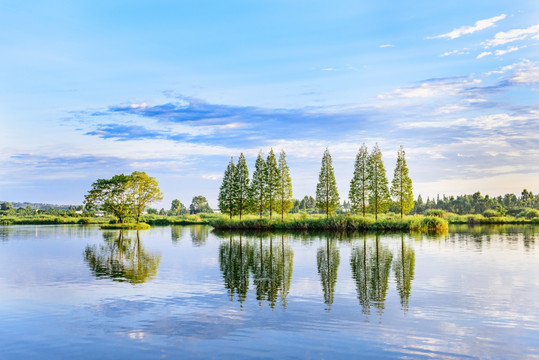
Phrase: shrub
x=436 y=212
x=490 y=213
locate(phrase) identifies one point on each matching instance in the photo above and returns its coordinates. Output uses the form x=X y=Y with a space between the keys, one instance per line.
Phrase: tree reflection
x=175 y=233
x=272 y=271
x=371 y=266
x=270 y=262
x=234 y=259
x=328 y=259
x=199 y=234
x=122 y=259
x=404 y=272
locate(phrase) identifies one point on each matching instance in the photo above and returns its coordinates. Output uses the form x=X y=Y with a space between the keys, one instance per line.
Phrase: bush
x=436 y=212
x=529 y=213
x=490 y=213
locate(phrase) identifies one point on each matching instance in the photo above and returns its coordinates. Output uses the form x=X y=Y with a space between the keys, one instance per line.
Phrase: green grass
x=50 y=220
x=339 y=223
x=478 y=219
x=126 y=226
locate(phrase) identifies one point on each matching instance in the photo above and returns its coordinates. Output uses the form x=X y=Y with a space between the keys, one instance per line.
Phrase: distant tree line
x=508 y=204
x=199 y=204
x=270 y=188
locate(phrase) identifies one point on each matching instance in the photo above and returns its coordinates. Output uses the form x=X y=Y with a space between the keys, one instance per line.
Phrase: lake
x=185 y=291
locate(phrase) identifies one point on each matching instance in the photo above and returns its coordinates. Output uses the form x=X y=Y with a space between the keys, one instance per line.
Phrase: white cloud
x=329 y=69
x=502 y=38
x=212 y=176
x=387 y=45
x=463 y=30
x=504 y=69
x=483 y=54
x=429 y=89
x=508 y=50
x=526 y=75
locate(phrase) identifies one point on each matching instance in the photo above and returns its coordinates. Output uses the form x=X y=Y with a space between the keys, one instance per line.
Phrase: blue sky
x=174 y=88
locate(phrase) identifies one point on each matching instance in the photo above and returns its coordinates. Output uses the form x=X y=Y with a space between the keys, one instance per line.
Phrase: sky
x=175 y=88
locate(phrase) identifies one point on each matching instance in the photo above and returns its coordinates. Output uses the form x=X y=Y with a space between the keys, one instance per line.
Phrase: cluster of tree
x=199 y=204
x=509 y=204
x=4 y=205
x=268 y=191
x=8 y=209
x=369 y=188
x=124 y=196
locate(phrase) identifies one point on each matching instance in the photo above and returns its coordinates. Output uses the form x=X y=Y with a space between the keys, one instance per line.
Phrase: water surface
x=77 y=291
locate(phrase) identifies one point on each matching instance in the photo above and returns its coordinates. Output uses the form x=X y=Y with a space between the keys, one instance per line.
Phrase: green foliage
x=489 y=213
x=436 y=212
x=176 y=208
x=327 y=196
x=272 y=183
x=123 y=195
x=529 y=213
x=241 y=186
x=143 y=190
x=359 y=183
x=226 y=192
x=284 y=191
x=199 y=204
x=127 y=226
x=401 y=186
x=429 y=223
x=379 y=199
x=257 y=190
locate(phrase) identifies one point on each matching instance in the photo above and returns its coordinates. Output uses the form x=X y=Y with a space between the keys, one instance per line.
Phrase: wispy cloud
x=483 y=54
x=464 y=30
x=513 y=35
x=387 y=46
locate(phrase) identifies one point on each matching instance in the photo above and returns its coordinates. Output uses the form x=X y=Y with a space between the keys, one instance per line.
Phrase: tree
x=401 y=186
x=177 y=208
x=379 y=199
x=359 y=184
x=284 y=193
x=5 y=206
x=272 y=182
x=327 y=196
x=144 y=190
x=199 y=204
x=111 y=195
x=257 y=193
x=226 y=192
x=241 y=186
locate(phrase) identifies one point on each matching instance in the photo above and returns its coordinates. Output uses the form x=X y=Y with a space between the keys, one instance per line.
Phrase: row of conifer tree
x=270 y=188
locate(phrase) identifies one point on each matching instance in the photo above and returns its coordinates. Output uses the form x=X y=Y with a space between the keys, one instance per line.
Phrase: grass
x=50 y=220
x=126 y=226
x=339 y=223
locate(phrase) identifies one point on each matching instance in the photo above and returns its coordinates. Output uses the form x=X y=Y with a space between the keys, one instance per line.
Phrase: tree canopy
x=327 y=196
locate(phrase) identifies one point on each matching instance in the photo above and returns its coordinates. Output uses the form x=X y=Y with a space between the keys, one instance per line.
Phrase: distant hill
x=41 y=206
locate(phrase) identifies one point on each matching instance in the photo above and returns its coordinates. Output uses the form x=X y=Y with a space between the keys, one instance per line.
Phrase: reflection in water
x=234 y=259
x=404 y=272
x=270 y=263
x=199 y=234
x=175 y=233
x=371 y=267
x=122 y=259
x=327 y=259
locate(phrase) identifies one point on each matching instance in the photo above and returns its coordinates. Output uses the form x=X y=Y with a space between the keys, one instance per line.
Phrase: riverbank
x=341 y=223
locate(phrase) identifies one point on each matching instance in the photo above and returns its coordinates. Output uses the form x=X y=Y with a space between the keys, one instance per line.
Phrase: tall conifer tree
x=226 y=192
x=401 y=186
x=272 y=182
x=327 y=196
x=257 y=194
x=359 y=185
x=241 y=186
x=284 y=193
x=379 y=199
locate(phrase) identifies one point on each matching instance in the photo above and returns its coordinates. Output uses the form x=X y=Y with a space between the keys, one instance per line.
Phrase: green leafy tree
x=177 y=208
x=401 y=186
x=379 y=199
x=199 y=204
x=111 y=195
x=257 y=190
x=226 y=192
x=272 y=181
x=241 y=186
x=359 y=184
x=144 y=190
x=284 y=193
x=327 y=196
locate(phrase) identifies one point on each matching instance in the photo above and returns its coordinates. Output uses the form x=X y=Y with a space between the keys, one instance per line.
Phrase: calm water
x=79 y=292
